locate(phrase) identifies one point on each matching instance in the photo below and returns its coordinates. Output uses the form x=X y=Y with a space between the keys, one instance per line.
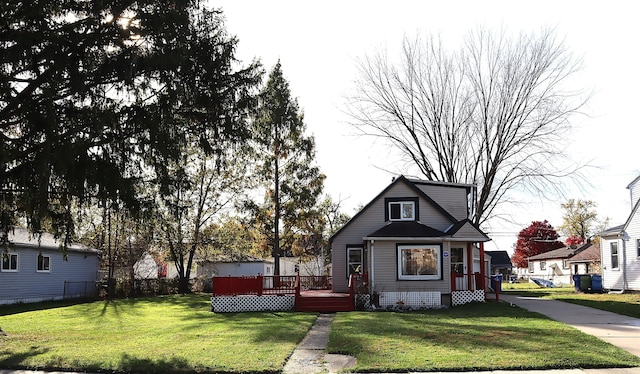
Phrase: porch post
x=482 y=273
x=470 y=266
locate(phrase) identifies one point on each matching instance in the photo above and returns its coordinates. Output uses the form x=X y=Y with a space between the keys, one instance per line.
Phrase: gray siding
x=634 y=191
x=385 y=274
x=452 y=199
x=27 y=284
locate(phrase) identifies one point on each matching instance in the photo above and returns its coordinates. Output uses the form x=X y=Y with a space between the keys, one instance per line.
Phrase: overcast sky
x=318 y=44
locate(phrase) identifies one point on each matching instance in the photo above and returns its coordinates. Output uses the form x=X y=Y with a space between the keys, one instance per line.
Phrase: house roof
x=561 y=253
x=21 y=237
x=408 y=229
x=500 y=258
x=222 y=259
x=612 y=231
x=411 y=184
x=589 y=254
x=466 y=230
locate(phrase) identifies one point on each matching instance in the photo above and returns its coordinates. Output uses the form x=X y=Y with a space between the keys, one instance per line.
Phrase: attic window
x=402 y=211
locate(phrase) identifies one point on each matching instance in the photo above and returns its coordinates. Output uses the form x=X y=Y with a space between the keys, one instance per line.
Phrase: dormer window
x=402 y=211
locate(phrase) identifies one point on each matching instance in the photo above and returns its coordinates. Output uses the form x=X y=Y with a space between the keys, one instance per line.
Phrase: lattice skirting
x=252 y=303
x=415 y=299
x=363 y=301
x=465 y=297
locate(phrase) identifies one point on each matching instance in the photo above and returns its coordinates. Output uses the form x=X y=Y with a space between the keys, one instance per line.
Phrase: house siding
x=634 y=191
x=28 y=285
x=452 y=199
x=371 y=219
x=631 y=259
x=554 y=271
x=612 y=279
x=385 y=270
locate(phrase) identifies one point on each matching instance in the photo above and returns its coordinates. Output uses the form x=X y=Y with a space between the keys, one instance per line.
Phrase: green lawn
x=179 y=334
x=488 y=336
x=625 y=304
x=164 y=334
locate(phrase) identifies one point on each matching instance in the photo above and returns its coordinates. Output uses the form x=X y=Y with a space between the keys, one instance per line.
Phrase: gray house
x=35 y=268
x=416 y=244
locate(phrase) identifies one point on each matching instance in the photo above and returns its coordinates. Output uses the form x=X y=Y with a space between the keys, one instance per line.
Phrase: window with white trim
x=9 y=261
x=565 y=263
x=614 y=255
x=543 y=265
x=402 y=211
x=44 y=263
x=419 y=262
x=530 y=267
x=638 y=247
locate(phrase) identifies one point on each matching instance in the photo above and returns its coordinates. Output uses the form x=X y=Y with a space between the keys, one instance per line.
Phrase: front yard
x=180 y=334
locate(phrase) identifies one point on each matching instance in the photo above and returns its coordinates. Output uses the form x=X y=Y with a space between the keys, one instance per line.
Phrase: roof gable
x=465 y=230
x=401 y=179
x=499 y=258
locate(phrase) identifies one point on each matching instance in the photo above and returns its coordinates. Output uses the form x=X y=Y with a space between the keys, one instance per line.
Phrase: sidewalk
x=621 y=331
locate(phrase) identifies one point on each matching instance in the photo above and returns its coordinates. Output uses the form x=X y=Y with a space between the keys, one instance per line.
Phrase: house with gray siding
x=409 y=240
x=36 y=268
x=620 y=248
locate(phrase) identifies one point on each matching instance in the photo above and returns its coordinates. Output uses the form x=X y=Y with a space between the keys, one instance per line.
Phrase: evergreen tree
x=96 y=97
x=285 y=167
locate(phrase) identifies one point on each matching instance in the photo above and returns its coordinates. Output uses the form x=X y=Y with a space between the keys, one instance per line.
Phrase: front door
x=459 y=266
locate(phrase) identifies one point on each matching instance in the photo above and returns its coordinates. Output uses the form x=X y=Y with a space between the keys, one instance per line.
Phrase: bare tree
x=495 y=113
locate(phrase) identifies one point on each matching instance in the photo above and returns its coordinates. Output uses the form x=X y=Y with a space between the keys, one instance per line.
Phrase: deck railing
x=268 y=285
x=472 y=282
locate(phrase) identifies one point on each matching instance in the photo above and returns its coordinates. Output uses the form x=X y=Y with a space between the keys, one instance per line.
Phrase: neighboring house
x=587 y=261
x=620 y=249
x=555 y=265
x=150 y=267
x=223 y=267
x=408 y=240
x=294 y=266
x=36 y=268
x=500 y=264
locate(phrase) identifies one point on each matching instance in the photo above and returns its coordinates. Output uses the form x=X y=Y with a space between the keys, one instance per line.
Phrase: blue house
x=36 y=268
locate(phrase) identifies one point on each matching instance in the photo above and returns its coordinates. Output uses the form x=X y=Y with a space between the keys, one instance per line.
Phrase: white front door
x=459 y=266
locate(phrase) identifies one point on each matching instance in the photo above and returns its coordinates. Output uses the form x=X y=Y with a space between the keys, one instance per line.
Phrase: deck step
x=323 y=304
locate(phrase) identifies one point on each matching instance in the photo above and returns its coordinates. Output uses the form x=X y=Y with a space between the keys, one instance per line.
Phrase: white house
x=620 y=249
x=37 y=268
x=555 y=265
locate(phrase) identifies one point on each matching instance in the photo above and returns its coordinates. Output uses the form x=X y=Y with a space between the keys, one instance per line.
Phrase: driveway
x=621 y=331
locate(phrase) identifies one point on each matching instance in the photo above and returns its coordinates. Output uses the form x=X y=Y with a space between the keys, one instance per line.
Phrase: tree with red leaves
x=539 y=237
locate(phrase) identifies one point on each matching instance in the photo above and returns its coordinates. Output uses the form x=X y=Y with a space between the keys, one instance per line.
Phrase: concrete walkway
x=621 y=331
x=309 y=357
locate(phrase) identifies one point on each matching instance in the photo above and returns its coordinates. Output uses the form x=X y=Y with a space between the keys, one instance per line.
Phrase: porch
x=282 y=293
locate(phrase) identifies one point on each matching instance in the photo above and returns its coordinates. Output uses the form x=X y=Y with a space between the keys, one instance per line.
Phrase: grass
x=626 y=304
x=164 y=334
x=178 y=334
x=491 y=336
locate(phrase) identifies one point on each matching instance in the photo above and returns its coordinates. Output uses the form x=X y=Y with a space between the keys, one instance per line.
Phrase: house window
x=44 y=263
x=638 y=247
x=419 y=262
x=543 y=265
x=614 y=255
x=402 y=211
x=565 y=264
x=9 y=262
x=354 y=260
x=530 y=267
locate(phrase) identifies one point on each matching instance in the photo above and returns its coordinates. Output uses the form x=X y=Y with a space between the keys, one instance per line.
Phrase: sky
x=319 y=43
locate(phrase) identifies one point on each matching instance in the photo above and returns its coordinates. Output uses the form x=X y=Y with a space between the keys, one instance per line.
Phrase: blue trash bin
x=576 y=282
x=596 y=283
x=496 y=282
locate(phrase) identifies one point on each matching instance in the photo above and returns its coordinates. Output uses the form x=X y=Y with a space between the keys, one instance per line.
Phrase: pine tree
x=285 y=155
